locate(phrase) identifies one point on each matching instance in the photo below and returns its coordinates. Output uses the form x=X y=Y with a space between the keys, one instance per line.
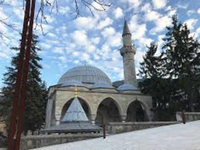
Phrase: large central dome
x=85 y=74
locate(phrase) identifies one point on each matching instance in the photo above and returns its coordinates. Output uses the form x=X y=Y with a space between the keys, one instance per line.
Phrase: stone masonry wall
x=30 y=142
x=114 y=128
x=189 y=116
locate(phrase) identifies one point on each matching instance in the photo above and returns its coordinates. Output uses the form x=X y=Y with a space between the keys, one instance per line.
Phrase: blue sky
x=96 y=41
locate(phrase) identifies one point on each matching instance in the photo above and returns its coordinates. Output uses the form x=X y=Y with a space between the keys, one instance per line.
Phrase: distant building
x=102 y=102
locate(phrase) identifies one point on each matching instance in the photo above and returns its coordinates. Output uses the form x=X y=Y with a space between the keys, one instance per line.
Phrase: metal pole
x=13 y=121
x=25 y=75
x=183 y=117
x=104 y=131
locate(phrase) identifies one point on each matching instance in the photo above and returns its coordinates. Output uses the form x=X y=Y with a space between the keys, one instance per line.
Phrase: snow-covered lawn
x=172 y=137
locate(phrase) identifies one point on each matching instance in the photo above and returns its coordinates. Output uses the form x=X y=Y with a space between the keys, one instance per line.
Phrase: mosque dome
x=85 y=74
x=72 y=83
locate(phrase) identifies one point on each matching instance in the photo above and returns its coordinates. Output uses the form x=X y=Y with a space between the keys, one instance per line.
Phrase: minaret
x=128 y=52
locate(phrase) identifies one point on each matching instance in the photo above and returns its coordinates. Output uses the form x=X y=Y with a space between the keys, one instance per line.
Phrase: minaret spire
x=128 y=52
x=126 y=29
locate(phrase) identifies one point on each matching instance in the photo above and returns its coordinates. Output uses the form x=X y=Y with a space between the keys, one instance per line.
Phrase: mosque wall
x=93 y=99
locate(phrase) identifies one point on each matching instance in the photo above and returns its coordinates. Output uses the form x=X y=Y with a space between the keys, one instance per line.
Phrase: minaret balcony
x=127 y=49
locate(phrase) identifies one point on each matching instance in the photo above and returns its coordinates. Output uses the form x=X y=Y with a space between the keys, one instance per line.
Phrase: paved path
x=172 y=137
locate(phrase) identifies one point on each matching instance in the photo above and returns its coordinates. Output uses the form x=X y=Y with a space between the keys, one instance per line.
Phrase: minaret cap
x=126 y=29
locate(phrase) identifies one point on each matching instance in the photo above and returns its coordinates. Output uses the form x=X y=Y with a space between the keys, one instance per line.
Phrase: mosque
x=101 y=101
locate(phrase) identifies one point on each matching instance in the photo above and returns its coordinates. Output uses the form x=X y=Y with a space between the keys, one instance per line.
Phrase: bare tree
x=91 y=5
x=53 y=5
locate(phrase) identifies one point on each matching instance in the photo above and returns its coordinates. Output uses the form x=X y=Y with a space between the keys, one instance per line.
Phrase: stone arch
x=84 y=104
x=136 y=112
x=108 y=110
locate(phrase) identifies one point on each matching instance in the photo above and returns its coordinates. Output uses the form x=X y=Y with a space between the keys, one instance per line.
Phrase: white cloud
x=19 y=12
x=198 y=31
x=143 y=41
x=182 y=5
x=97 y=6
x=161 y=23
x=172 y=12
x=160 y=43
x=109 y=31
x=2 y=14
x=146 y=7
x=118 y=12
x=95 y=40
x=105 y=23
x=50 y=19
x=198 y=11
x=85 y=56
x=158 y=4
x=135 y=3
x=14 y=3
x=52 y=35
x=190 y=12
x=191 y=23
x=63 y=10
x=58 y=50
x=151 y=15
x=139 y=56
x=138 y=30
x=3 y=55
x=44 y=28
x=45 y=45
x=85 y=23
x=132 y=3
x=115 y=40
x=62 y=59
x=80 y=37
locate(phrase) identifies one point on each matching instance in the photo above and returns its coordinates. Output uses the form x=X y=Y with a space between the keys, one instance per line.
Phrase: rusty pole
x=20 y=88
x=183 y=117
x=14 y=114
x=104 y=131
x=25 y=75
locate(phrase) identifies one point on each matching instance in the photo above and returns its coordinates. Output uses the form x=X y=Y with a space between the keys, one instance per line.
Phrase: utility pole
x=16 y=121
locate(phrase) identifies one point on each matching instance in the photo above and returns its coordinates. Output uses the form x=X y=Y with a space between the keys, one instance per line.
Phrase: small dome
x=72 y=83
x=102 y=85
x=85 y=74
x=127 y=87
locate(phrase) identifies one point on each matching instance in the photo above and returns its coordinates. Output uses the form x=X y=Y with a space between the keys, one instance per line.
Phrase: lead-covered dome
x=85 y=74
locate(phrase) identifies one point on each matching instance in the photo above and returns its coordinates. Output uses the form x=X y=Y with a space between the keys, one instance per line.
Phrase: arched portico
x=136 y=112
x=84 y=104
x=107 y=111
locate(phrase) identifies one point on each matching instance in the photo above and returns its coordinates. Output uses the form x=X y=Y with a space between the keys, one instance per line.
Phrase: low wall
x=30 y=142
x=189 y=116
x=114 y=128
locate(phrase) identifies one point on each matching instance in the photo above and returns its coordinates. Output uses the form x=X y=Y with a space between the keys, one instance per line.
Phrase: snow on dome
x=127 y=87
x=72 y=83
x=85 y=74
x=102 y=85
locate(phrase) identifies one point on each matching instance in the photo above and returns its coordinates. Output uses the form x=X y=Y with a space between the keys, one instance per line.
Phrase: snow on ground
x=172 y=137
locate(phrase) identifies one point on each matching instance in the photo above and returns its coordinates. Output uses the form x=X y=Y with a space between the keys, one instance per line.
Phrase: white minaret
x=128 y=52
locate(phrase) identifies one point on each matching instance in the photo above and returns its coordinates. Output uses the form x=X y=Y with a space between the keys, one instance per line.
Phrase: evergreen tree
x=155 y=83
x=36 y=93
x=183 y=64
x=172 y=78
